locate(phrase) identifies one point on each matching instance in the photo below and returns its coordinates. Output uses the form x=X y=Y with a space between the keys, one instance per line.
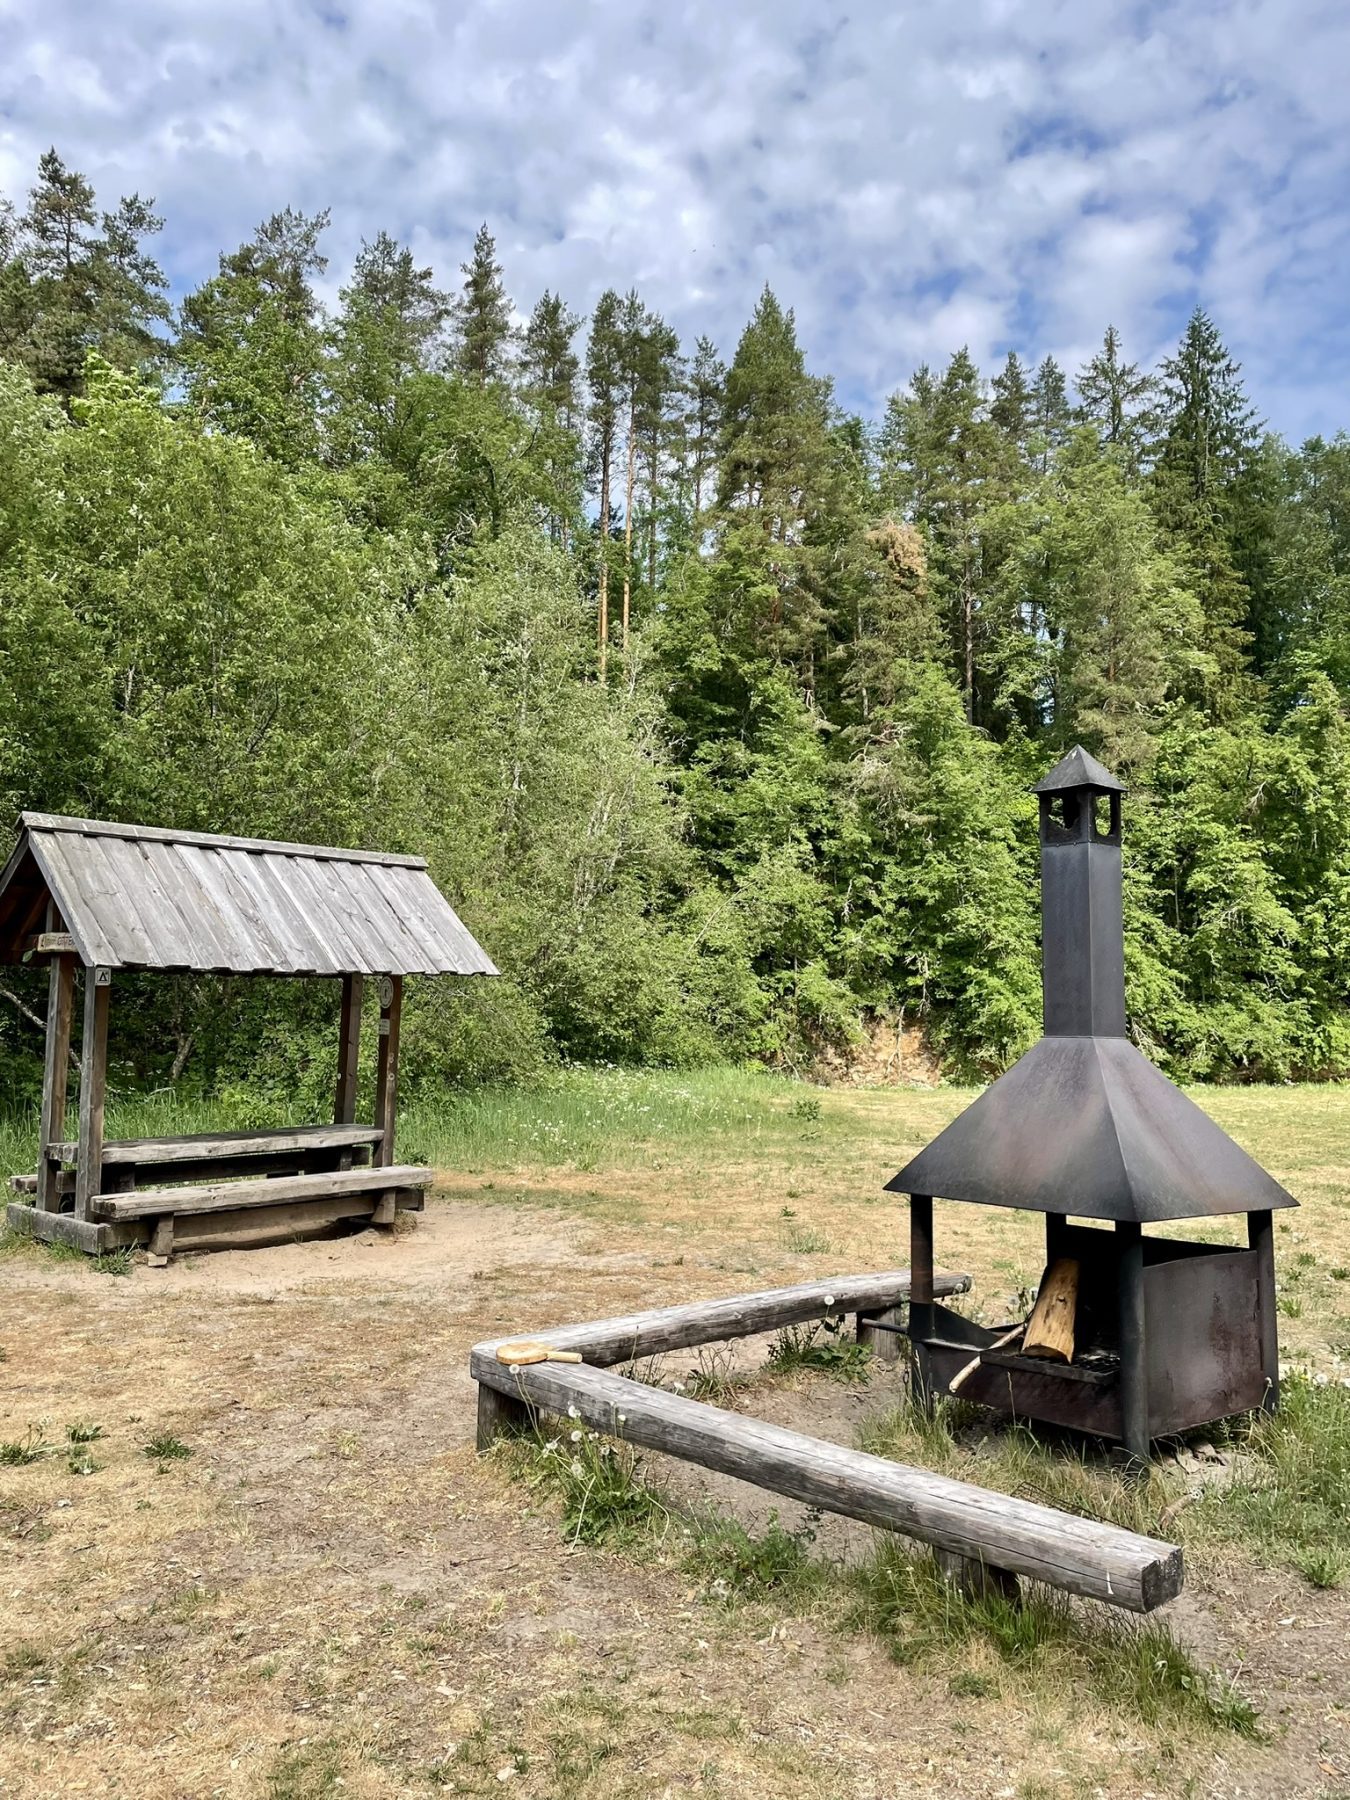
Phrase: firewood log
x=1050 y=1327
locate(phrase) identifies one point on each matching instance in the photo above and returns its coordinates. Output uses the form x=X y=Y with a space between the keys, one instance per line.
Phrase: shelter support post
x=920 y=1294
x=386 y=1086
x=349 y=1050
x=349 y=1058
x=1132 y=1341
x=55 y=1073
x=1261 y=1238
x=93 y=1088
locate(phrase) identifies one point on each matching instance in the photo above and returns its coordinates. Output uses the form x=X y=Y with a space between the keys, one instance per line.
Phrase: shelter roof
x=139 y=897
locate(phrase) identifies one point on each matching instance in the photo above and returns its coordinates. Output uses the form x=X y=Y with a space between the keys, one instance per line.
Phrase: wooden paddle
x=529 y=1350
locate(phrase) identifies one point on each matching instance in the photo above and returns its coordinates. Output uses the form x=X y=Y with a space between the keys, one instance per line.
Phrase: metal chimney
x=1083 y=1127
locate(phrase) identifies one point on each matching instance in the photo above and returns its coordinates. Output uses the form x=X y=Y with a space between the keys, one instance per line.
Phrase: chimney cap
x=1078 y=770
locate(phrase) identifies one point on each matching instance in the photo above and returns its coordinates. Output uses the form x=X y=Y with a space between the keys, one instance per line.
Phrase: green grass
x=597 y=1118
x=164 y=1447
x=903 y=1598
x=895 y=1593
x=1291 y=1500
x=824 y=1346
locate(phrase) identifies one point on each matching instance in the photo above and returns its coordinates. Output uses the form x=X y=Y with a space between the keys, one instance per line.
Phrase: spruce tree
x=1115 y=396
x=1013 y=406
x=943 y=463
x=703 y=419
x=482 y=316
x=1050 y=413
x=1209 y=436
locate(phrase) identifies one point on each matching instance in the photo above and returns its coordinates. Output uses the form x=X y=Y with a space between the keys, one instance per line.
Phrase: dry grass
x=332 y=1597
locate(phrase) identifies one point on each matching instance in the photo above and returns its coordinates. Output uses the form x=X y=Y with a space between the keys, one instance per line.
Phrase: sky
x=1003 y=174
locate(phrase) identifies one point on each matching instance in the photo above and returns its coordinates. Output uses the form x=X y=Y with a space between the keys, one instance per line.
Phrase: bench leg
x=161 y=1242
x=500 y=1415
x=385 y=1208
x=976 y=1580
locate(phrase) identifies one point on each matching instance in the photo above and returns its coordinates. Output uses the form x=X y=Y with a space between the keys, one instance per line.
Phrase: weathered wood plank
x=265 y=1224
x=635 y=1336
x=49 y=822
x=214 y=1196
x=222 y=1144
x=55 y=1073
x=1079 y=1555
x=93 y=1089
x=93 y=1238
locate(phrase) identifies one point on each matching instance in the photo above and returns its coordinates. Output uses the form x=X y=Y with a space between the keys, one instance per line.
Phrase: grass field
x=248 y=1551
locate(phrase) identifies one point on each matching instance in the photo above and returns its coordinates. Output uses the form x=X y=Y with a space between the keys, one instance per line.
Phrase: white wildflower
x=577 y=1469
x=572 y=1412
x=576 y=1437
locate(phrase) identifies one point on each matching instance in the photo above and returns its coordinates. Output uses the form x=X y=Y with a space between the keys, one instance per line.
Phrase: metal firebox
x=1167 y=1334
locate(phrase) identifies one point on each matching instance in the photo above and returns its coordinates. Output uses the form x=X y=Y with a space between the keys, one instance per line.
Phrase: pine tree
x=251 y=340
x=604 y=379
x=549 y=372
x=67 y=288
x=1114 y=396
x=482 y=316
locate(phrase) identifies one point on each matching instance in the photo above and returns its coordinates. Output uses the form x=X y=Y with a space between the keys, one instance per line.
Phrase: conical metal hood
x=1083 y=1123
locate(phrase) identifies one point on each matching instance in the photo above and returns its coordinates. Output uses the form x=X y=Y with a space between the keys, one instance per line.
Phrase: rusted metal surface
x=136 y=897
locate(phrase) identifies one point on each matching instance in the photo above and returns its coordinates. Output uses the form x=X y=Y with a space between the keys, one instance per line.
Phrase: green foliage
x=711 y=707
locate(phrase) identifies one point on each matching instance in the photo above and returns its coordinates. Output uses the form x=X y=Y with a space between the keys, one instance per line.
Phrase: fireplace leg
x=920 y=1296
x=1261 y=1238
x=1130 y=1331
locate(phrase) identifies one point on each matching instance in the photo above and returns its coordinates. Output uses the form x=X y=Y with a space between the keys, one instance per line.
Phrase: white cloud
x=907 y=178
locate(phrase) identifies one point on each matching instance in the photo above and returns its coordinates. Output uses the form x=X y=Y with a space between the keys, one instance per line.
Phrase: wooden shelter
x=92 y=898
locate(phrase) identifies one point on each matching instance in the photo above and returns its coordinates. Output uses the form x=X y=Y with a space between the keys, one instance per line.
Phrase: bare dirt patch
x=332 y=1596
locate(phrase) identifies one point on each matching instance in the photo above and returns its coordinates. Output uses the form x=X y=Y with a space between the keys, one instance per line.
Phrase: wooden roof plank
x=153 y=899
x=36 y=821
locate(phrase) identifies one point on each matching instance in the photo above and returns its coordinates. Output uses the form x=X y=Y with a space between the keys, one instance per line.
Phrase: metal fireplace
x=1134 y=1336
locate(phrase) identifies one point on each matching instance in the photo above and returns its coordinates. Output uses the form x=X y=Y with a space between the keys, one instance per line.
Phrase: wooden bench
x=214 y=1196
x=214 y=1146
x=982 y=1538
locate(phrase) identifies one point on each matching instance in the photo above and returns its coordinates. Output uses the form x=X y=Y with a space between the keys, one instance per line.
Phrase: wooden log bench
x=291 y=1202
x=978 y=1535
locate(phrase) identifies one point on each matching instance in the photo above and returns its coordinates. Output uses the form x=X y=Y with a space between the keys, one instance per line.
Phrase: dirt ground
x=331 y=1595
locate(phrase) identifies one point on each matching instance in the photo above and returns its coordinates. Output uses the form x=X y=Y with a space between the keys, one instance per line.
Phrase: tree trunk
x=606 y=452
x=628 y=517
